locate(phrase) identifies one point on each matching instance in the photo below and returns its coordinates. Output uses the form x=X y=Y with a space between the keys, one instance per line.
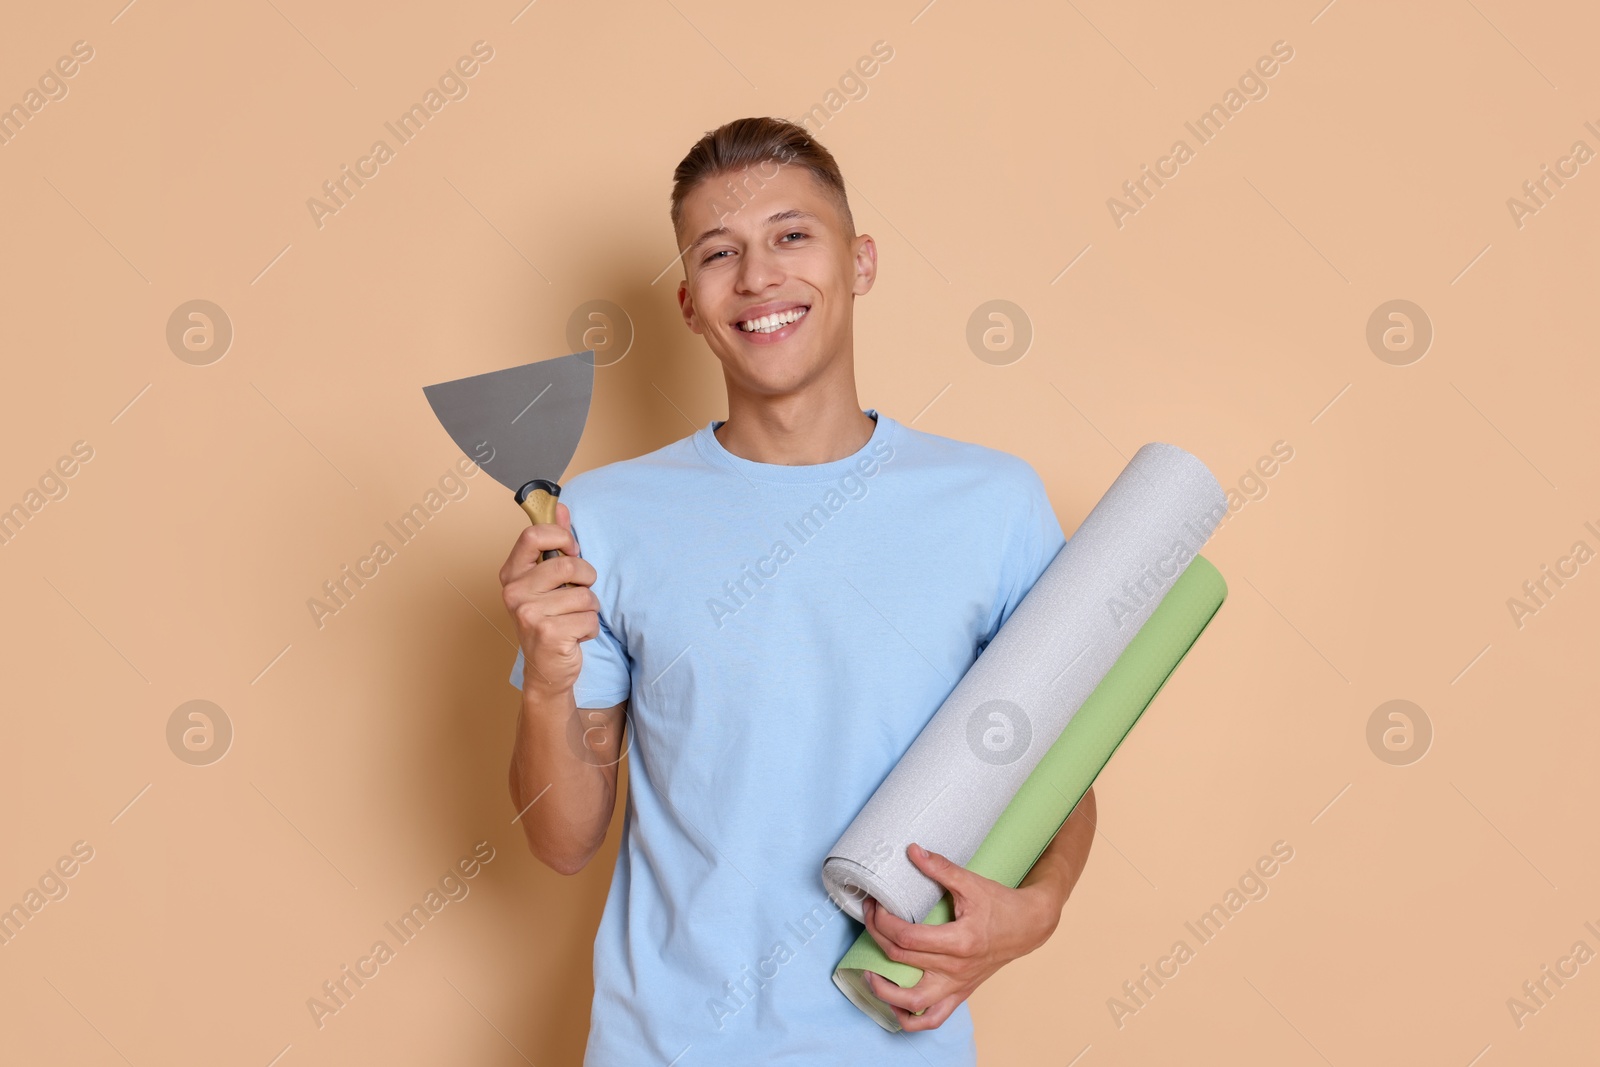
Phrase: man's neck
x=795 y=431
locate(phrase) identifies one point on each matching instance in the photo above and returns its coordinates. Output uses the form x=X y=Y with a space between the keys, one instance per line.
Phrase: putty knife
x=521 y=424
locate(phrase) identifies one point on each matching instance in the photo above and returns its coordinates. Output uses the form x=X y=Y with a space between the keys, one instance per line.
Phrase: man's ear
x=866 y=264
x=686 y=306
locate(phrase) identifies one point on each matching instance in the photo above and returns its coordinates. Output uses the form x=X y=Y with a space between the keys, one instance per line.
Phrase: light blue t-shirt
x=782 y=633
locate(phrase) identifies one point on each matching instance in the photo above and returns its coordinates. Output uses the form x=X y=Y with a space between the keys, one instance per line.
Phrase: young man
x=777 y=603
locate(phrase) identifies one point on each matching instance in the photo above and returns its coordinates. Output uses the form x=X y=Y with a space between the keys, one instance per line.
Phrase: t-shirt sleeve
x=604 y=680
x=1029 y=549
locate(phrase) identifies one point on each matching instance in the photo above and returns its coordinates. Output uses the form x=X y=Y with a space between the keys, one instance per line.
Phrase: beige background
x=1229 y=313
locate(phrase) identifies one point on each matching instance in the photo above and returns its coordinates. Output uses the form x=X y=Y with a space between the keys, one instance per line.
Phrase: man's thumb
x=564 y=517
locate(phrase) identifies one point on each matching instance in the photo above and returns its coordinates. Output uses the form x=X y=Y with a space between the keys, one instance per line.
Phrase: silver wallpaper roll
x=951 y=785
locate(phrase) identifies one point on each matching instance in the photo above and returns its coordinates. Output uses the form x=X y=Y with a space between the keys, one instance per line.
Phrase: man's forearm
x=1061 y=863
x=565 y=803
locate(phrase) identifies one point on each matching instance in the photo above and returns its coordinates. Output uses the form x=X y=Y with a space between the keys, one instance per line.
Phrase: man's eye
x=714 y=255
x=794 y=233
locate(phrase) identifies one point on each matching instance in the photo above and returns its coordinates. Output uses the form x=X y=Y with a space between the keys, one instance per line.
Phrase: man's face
x=778 y=248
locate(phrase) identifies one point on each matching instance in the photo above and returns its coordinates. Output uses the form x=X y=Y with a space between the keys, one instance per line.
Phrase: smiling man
x=773 y=607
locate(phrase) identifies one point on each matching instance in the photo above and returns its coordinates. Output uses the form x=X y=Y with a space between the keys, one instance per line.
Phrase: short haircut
x=742 y=144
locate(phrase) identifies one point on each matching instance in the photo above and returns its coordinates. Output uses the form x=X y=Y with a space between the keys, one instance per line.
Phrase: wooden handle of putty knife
x=538 y=499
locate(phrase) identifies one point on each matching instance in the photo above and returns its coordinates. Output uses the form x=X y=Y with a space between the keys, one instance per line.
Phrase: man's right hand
x=551 y=603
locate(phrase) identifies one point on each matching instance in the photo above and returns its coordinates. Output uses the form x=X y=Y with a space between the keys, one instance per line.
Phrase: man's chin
x=774 y=377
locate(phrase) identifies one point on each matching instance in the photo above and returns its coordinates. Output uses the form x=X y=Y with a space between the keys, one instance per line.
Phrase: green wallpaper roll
x=1049 y=794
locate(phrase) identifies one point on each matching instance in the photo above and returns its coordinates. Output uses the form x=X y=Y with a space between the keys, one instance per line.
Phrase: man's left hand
x=993 y=925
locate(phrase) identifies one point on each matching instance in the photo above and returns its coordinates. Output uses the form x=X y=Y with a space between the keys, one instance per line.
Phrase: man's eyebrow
x=778 y=216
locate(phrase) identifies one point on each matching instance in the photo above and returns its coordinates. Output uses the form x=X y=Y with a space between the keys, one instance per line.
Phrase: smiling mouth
x=774 y=323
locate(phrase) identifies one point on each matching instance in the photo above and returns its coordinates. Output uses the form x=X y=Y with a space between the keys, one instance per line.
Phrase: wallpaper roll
x=1065 y=773
x=951 y=785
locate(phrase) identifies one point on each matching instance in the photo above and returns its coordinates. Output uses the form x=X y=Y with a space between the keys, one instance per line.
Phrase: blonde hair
x=744 y=143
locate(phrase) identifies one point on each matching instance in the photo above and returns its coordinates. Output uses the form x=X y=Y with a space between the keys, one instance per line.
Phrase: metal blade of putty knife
x=521 y=424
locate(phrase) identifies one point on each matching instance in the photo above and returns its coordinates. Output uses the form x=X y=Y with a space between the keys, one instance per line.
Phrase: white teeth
x=769 y=323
